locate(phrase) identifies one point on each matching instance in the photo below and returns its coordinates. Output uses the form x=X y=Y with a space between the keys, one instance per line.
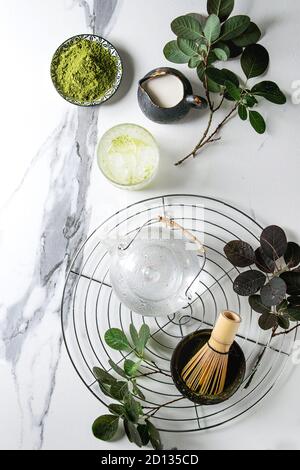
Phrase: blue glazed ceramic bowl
x=104 y=43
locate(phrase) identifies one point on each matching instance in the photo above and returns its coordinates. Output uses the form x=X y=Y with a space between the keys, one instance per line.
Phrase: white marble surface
x=52 y=195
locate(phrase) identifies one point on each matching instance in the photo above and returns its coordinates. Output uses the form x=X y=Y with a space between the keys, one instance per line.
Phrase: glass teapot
x=153 y=271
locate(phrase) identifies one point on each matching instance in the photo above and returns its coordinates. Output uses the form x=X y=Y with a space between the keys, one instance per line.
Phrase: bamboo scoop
x=206 y=371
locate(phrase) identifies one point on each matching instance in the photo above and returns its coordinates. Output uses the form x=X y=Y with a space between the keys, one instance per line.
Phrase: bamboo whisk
x=206 y=371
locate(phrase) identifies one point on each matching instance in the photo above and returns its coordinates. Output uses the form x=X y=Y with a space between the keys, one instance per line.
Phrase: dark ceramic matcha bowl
x=187 y=348
x=106 y=45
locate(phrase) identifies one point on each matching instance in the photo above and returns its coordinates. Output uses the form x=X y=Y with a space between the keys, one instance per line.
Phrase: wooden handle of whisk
x=224 y=332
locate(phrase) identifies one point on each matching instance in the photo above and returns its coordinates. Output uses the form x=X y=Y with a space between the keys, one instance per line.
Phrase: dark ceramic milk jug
x=166 y=115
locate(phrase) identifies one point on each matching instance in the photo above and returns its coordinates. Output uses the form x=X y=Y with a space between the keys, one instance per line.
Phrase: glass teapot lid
x=152 y=272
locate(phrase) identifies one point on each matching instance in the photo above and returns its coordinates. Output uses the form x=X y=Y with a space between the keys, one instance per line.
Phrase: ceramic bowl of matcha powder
x=86 y=70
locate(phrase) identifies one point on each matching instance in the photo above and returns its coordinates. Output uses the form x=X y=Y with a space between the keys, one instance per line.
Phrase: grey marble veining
x=31 y=332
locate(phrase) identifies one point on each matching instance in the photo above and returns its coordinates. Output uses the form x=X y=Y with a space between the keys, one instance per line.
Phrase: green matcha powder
x=85 y=71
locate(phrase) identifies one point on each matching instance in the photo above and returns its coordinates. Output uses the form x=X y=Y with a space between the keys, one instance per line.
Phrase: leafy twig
x=220 y=104
x=153 y=411
x=273 y=284
x=157 y=368
x=137 y=425
x=210 y=139
x=260 y=357
x=255 y=368
x=285 y=332
x=222 y=37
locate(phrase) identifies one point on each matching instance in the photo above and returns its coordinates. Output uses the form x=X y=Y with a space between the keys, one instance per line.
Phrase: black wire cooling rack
x=90 y=307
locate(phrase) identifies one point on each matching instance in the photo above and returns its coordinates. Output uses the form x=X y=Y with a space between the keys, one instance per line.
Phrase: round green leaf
x=219 y=77
x=268 y=321
x=116 y=409
x=174 y=54
x=273 y=242
x=212 y=86
x=234 y=27
x=239 y=253
x=257 y=305
x=212 y=28
x=201 y=71
x=131 y=367
x=116 y=339
x=132 y=407
x=274 y=292
x=134 y=334
x=250 y=36
x=224 y=47
x=105 y=427
x=235 y=51
x=243 y=113
x=194 y=62
x=250 y=101
x=187 y=27
x=220 y=54
x=188 y=47
x=216 y=75
x=249 y=282
x=203 y=48
x=211 y=58
x=105 y=389
x=231 y=77
x=232 y=90
x=270 y=91
x=103 y=376
x=257 y=122
x=254 y=60
x=118 y=390
x=132 y=433
x=137 y=391
x=143 y=432
x=117 y=369
x=222 y=8
x=144 y=336
x=154 y=436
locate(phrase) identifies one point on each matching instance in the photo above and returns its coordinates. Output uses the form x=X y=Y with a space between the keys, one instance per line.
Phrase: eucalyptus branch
x=273 y=287
x=126 y=391
x=207 y=94
x=221 y=124
x=146 y=374
x=220 y=103
x=255 y=368
x=220 y=38
x=153 y=411
x=285 y=332
x=157 y=369
x=260 y=357
x=210 y=139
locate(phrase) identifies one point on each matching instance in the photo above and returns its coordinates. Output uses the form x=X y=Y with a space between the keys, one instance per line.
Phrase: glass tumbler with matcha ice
x=128 y=156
